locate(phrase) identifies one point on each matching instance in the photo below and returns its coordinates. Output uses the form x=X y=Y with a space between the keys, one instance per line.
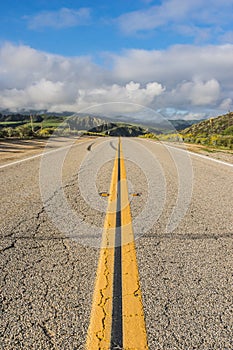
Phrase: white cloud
x=21 y=66
x=132 y=93
x=176 y=64
x=156 y=16
x=193 y=79
x=200 y=35
x=227 y=104
x=226 y=37
x=33 y=79
x=39 y=95
x=62 y=18
x=196 y=18
x=199 y=93
x=193 y=76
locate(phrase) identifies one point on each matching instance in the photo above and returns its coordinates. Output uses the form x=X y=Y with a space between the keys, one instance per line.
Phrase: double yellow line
x=117 y=317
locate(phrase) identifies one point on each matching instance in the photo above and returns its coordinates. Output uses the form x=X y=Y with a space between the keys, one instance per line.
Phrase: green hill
x=222 y=125
x=216 y=131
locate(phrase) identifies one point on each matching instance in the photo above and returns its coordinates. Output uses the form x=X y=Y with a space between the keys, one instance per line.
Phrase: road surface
x=52 y=219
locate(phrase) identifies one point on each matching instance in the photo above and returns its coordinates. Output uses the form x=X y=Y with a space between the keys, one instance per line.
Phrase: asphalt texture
x=51 y=221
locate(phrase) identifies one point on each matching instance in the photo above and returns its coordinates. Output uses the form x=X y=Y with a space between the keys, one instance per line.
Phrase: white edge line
x=39 y=155
x=194 y=154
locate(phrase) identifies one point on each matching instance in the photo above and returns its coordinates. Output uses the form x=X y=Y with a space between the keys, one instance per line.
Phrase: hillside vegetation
x=26 y=126
x=214 y=131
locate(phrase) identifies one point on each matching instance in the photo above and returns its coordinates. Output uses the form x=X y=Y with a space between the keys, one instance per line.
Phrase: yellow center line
x=99 y=332
x=134 y=329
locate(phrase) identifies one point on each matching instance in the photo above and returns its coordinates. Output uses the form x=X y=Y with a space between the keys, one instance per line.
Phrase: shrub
x=23 y=131
x=8 y=132
x=228 y=131
x=45 y=132
x=149 y=136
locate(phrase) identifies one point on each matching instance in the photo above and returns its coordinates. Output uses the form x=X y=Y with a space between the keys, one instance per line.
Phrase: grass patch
x=6 y=124
x=50 y=123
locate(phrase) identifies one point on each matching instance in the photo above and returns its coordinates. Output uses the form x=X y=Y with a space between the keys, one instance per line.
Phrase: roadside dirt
x=13 y=150
x=220 y=154
x=224 y=155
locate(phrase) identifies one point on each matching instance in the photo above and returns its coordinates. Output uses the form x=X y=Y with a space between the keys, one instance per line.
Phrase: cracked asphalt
x=48 y=267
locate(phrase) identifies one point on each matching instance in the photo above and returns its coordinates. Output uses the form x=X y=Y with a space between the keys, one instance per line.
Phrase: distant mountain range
x=83 y=121
x=181 y=124
x=214 y=131
x=119 y=129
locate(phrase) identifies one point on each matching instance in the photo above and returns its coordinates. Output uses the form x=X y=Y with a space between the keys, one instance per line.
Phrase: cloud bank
x=191 y=80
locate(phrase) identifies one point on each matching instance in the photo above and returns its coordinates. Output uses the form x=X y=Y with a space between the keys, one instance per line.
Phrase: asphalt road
x=51 y=221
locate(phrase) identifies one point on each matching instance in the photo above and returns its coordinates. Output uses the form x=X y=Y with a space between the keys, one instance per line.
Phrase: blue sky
x=173 y=56
x=43 y=25
x=89 y=27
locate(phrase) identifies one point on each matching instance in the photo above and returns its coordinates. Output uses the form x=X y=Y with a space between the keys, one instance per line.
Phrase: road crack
x=49 y=334
x=12 y=245
x=103 y=299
